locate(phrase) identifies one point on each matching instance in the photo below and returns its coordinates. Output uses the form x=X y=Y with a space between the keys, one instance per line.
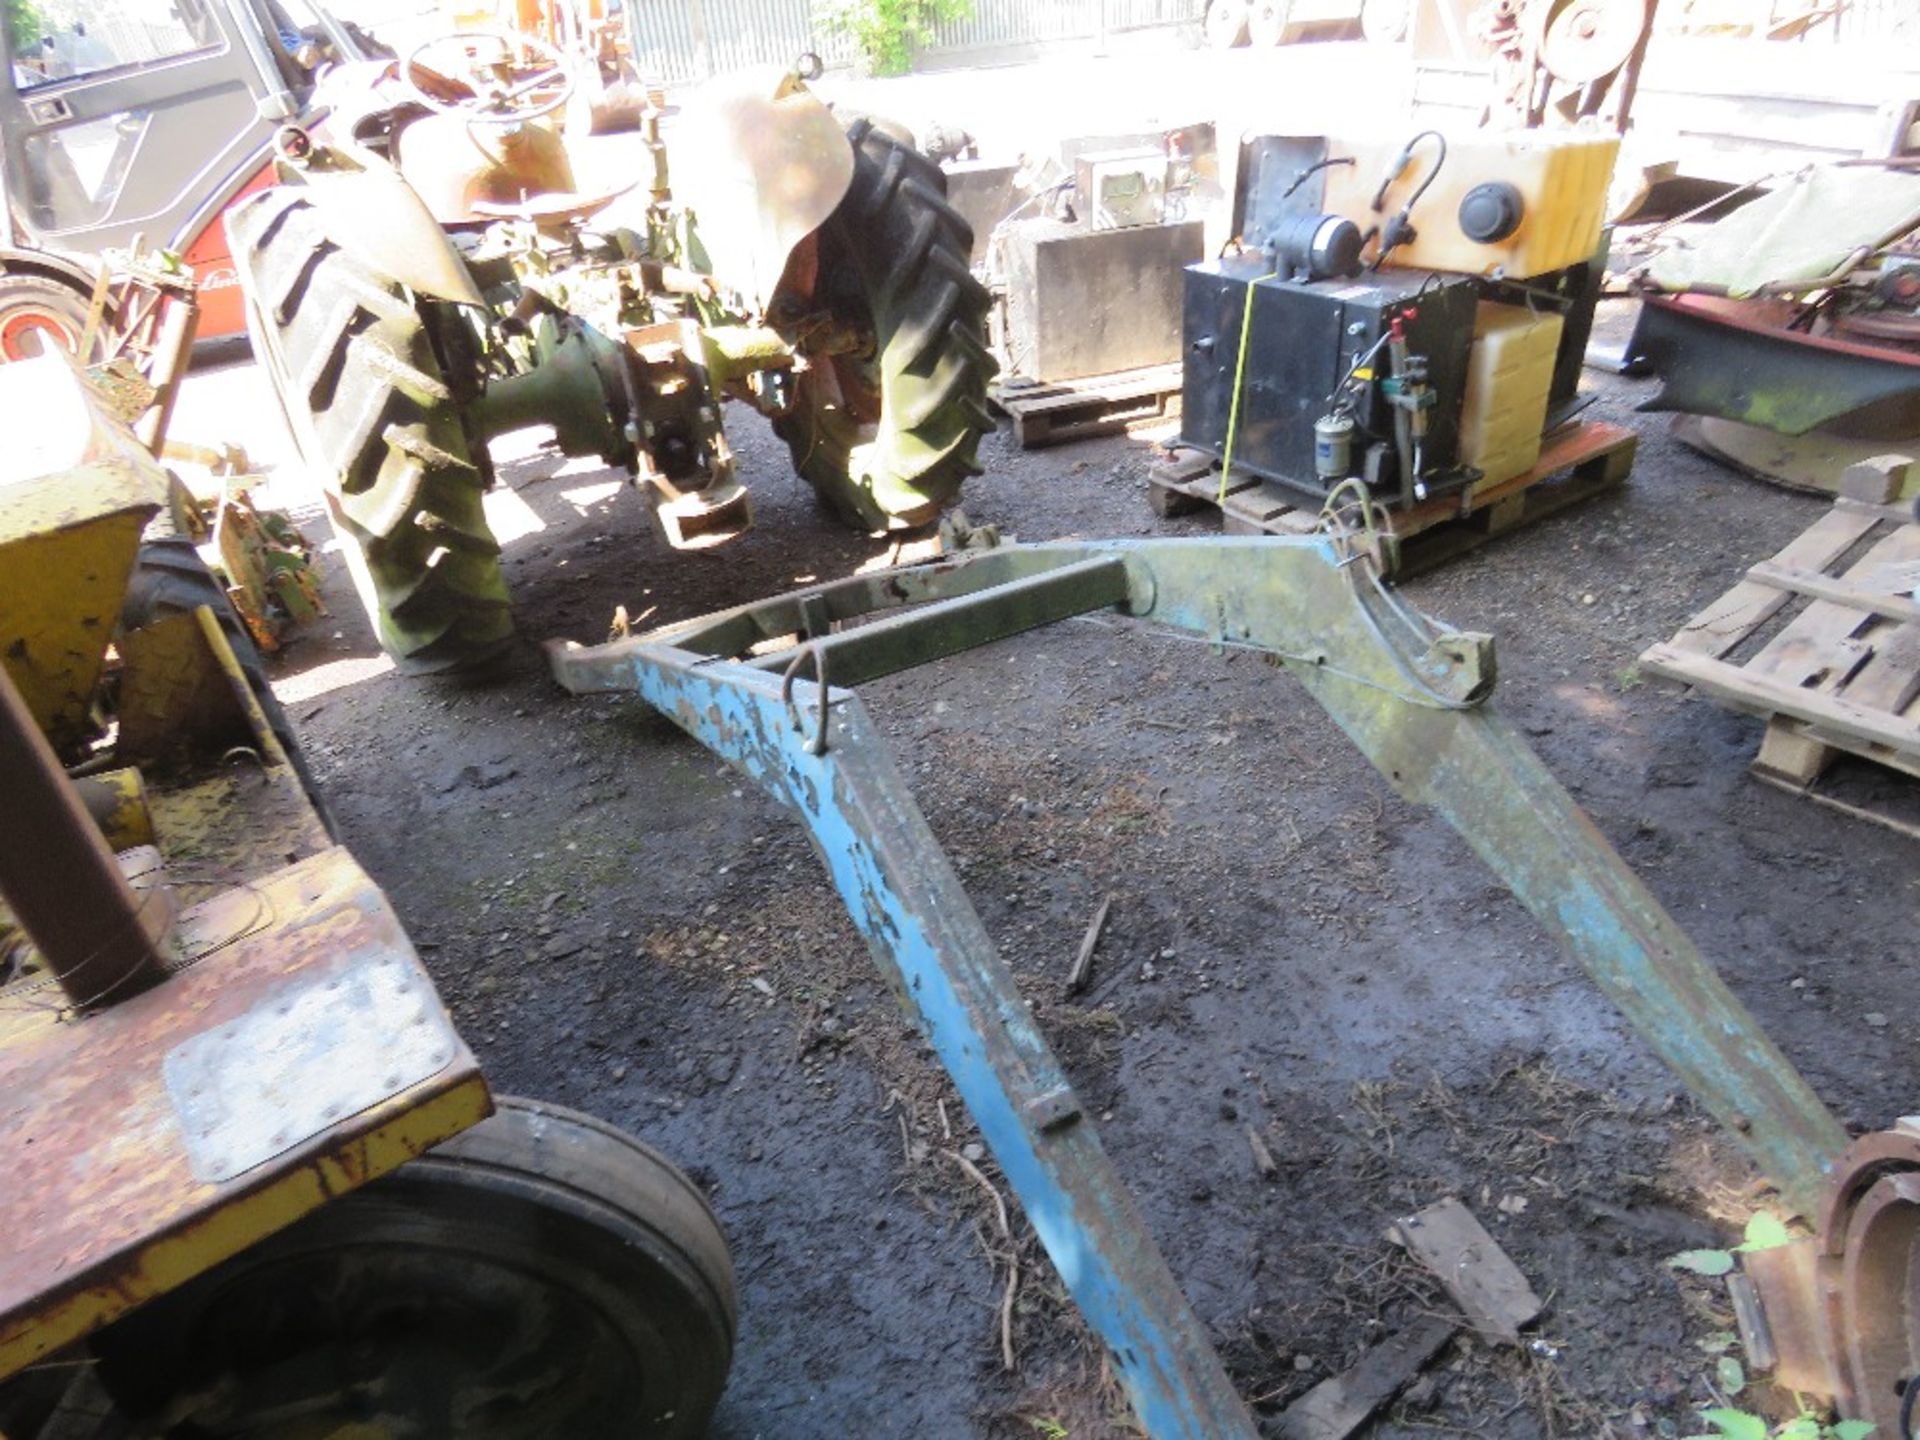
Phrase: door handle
x=49 y=109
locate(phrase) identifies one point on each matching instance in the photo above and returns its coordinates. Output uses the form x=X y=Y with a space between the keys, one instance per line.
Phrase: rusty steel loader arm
x=1412 y=695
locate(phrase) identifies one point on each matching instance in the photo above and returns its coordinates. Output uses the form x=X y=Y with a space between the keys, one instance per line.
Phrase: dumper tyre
x=888 y=431
x=355 y=361
x=170 y=578
x=543 y=1274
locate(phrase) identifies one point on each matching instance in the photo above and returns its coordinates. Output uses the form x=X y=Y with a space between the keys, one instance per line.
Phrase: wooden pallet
x=1577 y=462
x=1822 y=641
x=1052 y=412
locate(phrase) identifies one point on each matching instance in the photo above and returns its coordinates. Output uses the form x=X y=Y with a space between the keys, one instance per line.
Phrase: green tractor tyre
x=887 y=437
x=353 y=360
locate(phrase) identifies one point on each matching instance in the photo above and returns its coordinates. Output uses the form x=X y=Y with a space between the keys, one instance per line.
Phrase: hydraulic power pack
x=1319 y=380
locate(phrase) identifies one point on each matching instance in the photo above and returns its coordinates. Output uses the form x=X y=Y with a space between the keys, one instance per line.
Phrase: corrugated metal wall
x=678 y=40
x=1886 y=22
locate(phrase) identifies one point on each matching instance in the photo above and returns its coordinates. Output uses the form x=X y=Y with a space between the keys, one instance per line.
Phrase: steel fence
x=681 y=40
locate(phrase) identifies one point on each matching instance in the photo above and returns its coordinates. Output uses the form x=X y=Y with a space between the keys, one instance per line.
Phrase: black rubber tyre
x=170 y=578
x=888 y=438
x=352 y=360
x=37 y=311
x=542 y=1275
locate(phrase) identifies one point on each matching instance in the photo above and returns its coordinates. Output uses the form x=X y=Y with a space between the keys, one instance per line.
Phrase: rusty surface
x=102 y=1209
x=1869 y=1288
x=117 y=801
x=176 y=696
x=75 y=493
x=101 y=941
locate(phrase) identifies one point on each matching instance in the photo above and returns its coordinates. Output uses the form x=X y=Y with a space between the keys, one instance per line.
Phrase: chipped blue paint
x=974 y=1017
x=1351 y=649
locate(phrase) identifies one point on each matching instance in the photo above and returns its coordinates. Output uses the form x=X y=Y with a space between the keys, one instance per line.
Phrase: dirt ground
x=621 y=925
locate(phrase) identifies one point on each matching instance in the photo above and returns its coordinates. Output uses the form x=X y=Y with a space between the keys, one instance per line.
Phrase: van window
x=55 y=40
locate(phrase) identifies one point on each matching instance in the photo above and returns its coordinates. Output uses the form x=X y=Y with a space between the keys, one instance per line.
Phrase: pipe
x=100 y=939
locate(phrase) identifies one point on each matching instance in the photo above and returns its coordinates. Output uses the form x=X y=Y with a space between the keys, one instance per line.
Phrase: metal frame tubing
x=1410 y=695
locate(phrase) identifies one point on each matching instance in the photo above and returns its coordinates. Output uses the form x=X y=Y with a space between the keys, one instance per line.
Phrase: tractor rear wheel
x=543 y=1274
x=353 y=362
x=886 y=433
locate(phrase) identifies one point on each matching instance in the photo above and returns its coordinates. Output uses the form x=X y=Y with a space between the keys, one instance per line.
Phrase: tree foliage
x=889 y=31
x=24 y=23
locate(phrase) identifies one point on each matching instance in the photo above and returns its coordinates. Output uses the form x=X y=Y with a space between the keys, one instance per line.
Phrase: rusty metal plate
x=299 y=1061
x=107 y=1202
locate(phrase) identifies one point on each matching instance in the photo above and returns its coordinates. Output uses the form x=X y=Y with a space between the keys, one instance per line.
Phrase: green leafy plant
x=1764 y=1232
x=1740 y=1425
x=889 y=31
x=24 y=24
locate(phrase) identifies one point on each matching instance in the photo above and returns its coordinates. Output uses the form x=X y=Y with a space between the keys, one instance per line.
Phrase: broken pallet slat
x=1729 y=620
x=1335 y=1408
x=1488 y=1287
x=1732 y=685
x=1816 y=645
x=1083 y=958
x=1841 y=673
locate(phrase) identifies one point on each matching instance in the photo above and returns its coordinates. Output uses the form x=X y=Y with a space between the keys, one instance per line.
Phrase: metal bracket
x=1410 y=694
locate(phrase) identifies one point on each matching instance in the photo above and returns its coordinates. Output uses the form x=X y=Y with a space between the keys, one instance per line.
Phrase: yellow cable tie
x=1239 y=377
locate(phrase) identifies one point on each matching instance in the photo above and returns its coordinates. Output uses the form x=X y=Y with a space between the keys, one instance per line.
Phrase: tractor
x=444 y=263
x=450 y=254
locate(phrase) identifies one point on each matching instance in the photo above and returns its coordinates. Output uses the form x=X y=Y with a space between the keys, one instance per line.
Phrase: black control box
x=1304 y=339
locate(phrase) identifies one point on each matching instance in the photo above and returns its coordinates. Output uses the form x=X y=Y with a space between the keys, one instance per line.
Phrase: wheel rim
x=438 y=1324
x=28 y=330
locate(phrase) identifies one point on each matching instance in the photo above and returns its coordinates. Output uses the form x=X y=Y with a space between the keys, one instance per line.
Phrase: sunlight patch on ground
x=584 y=498
x=333 y=675
x=509 y=517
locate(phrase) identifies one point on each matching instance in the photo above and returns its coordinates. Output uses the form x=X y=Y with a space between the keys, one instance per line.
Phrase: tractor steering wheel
x=496 y=93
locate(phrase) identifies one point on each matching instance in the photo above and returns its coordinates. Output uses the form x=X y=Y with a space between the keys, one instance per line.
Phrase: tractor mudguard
x=762 y=162
x=369 y=211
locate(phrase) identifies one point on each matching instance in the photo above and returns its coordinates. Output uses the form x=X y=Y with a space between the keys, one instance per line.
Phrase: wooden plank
x=1335 y=1408
x=1856 y=812
x=1839 y=591
x=1744 y=691
x=1487 y=1286
x=1083 y=958
x=1810 y=647
x=1128 y=385
x=1599 y=454
x=1898 y=514
x=1747 y=606
x=1787 y=753
x=1891 y=680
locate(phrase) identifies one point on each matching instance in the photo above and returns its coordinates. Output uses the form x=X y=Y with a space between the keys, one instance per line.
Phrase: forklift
x=124 y=121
